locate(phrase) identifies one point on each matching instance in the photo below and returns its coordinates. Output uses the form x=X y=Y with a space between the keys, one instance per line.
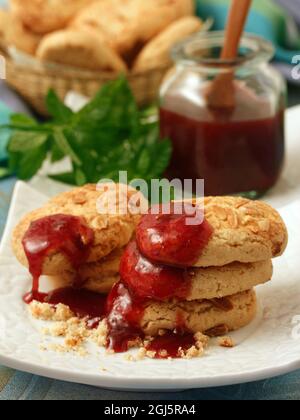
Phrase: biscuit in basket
x=19 y=36
x=111 y=231
x=82 y=49
x=155 y=15
x=200 y=316
x=157 y=53
x=4 y=17
x=115 y=20
x=43 y=16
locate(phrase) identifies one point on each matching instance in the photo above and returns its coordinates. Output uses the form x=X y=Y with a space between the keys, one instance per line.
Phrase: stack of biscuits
x=238 y=257
x=103 y=35
x=246 y=236
x=112 y=232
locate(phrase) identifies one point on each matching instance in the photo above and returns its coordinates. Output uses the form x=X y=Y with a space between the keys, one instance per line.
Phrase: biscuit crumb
x=76 y=333
x=192 y=352
x=41 y=311
x=99 y=335
x=202 y=340
x=129 y=358
x=141 y=354
x=47 y=312
x=226 y=342
x=150 y=354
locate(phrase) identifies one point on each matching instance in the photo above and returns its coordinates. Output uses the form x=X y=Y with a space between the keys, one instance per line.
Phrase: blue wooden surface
x=17 y=385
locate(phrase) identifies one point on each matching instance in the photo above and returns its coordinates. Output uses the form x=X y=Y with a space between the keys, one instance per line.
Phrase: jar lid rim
x=258 y=50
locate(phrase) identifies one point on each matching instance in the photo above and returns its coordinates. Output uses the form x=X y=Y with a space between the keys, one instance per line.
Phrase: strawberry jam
x=171 y=344
x=123 y=319
x=83 y=303
x=147 y=280
x=154 y=268
x=70 y=236
x=169 y=237
x=231 y=155
x=125 y=313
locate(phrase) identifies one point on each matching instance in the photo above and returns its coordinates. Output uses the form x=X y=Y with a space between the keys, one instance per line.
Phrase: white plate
x=270 y=346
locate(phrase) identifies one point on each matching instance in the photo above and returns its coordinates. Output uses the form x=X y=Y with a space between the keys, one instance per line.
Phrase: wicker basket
x=34 y=82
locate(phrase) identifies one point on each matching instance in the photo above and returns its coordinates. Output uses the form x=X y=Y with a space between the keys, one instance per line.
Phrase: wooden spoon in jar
x=221 y=93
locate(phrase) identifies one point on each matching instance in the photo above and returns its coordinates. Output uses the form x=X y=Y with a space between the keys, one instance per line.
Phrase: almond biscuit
x=98 y=277
x=200 y=316
x=43 y=16
x=116 y=21
x=243 y=230
x=157 y=53
x=206 y=283
x=4 y=18
x=218 y=282
x=19 y=36
x=111 y=231
x=155 y=16
x=82 y=49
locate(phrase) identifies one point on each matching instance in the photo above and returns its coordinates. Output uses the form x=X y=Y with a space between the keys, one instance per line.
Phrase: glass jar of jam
x=236 y=146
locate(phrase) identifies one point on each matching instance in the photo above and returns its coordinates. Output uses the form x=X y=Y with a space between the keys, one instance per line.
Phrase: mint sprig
x=110 y=134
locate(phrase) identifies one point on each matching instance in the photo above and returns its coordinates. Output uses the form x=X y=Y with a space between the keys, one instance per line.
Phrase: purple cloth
x=12 y=100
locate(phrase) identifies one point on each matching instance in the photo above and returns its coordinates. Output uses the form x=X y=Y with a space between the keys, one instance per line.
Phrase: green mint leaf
x=114 y=106
x=5 y=172
x=57 y=109
x=144 y=162
x=161 y=155
x=64 y=145
x=66 y=178
x=56 y=154
x=28 y=164
x=108 y=135
x=24 y=141
x=80 y=177
x=22 y=119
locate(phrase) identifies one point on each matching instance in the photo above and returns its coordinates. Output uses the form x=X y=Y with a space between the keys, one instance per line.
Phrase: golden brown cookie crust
x=116 y=21
x=218 y=282
x=157 y=15
x=17 y=35
x=79 y=48
x=244 y=231
x=4 y=22
x=199 y=316
x=111 y=232
x=206 y=283
x=43 y=16
x=157 y=53
x=98 y=277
